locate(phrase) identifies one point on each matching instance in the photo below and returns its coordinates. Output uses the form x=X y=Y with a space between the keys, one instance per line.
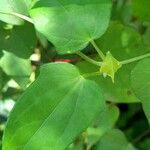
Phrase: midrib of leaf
x=18 y=117
x=81 y=88
x=30 y=88
x=69 y=40
x=71 y=91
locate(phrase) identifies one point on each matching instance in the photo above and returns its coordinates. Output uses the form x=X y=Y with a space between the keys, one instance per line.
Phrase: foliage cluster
x=77 y=72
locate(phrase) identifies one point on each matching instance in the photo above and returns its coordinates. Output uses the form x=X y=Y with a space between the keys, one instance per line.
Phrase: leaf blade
x=56 y=103
x=66 y=24
x=140 y=80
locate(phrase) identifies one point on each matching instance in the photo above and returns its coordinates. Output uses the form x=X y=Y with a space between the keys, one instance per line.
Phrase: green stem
x=26 y=18
x=134 y=59
x=98 y=50
x=137 y=139
x=89 y=59
x=91 y=74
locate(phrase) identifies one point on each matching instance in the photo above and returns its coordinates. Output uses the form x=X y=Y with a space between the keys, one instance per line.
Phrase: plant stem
x=26 y=18
x=137 y=139
x=91 y=74
x=134 y=59
x=89 y=59
x=98 y=50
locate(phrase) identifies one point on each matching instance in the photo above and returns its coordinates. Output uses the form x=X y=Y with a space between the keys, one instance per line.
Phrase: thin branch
x=135 y=59
x=89 y=59
x=98 y=50
x=141 y=136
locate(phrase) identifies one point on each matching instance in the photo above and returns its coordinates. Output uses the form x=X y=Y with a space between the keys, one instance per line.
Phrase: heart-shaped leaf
x=140 y=78
x=54 y=110
x=20 y=72
x=71 y=24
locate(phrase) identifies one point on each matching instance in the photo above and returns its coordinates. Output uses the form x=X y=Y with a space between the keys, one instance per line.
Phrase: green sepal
x=110 y=66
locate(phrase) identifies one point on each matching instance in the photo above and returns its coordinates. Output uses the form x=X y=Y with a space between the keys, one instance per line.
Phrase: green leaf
x=17 y=68
x=104 y=122
x=114 y=140
x=3 y=80
x=144 y=144
x=122 y=11
x=19 y=40
x=140 y=78
x=126 y=43
x=108 y=118
x=141 y=9
x=13 y=65
x=71 y=24
x=110 y=66
x=15 y=6
x=55 y=109
x=76 y=146
x=146 y=36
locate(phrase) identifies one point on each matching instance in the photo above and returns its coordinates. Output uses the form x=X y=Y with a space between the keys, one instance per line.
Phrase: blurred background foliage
x=123 y=125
